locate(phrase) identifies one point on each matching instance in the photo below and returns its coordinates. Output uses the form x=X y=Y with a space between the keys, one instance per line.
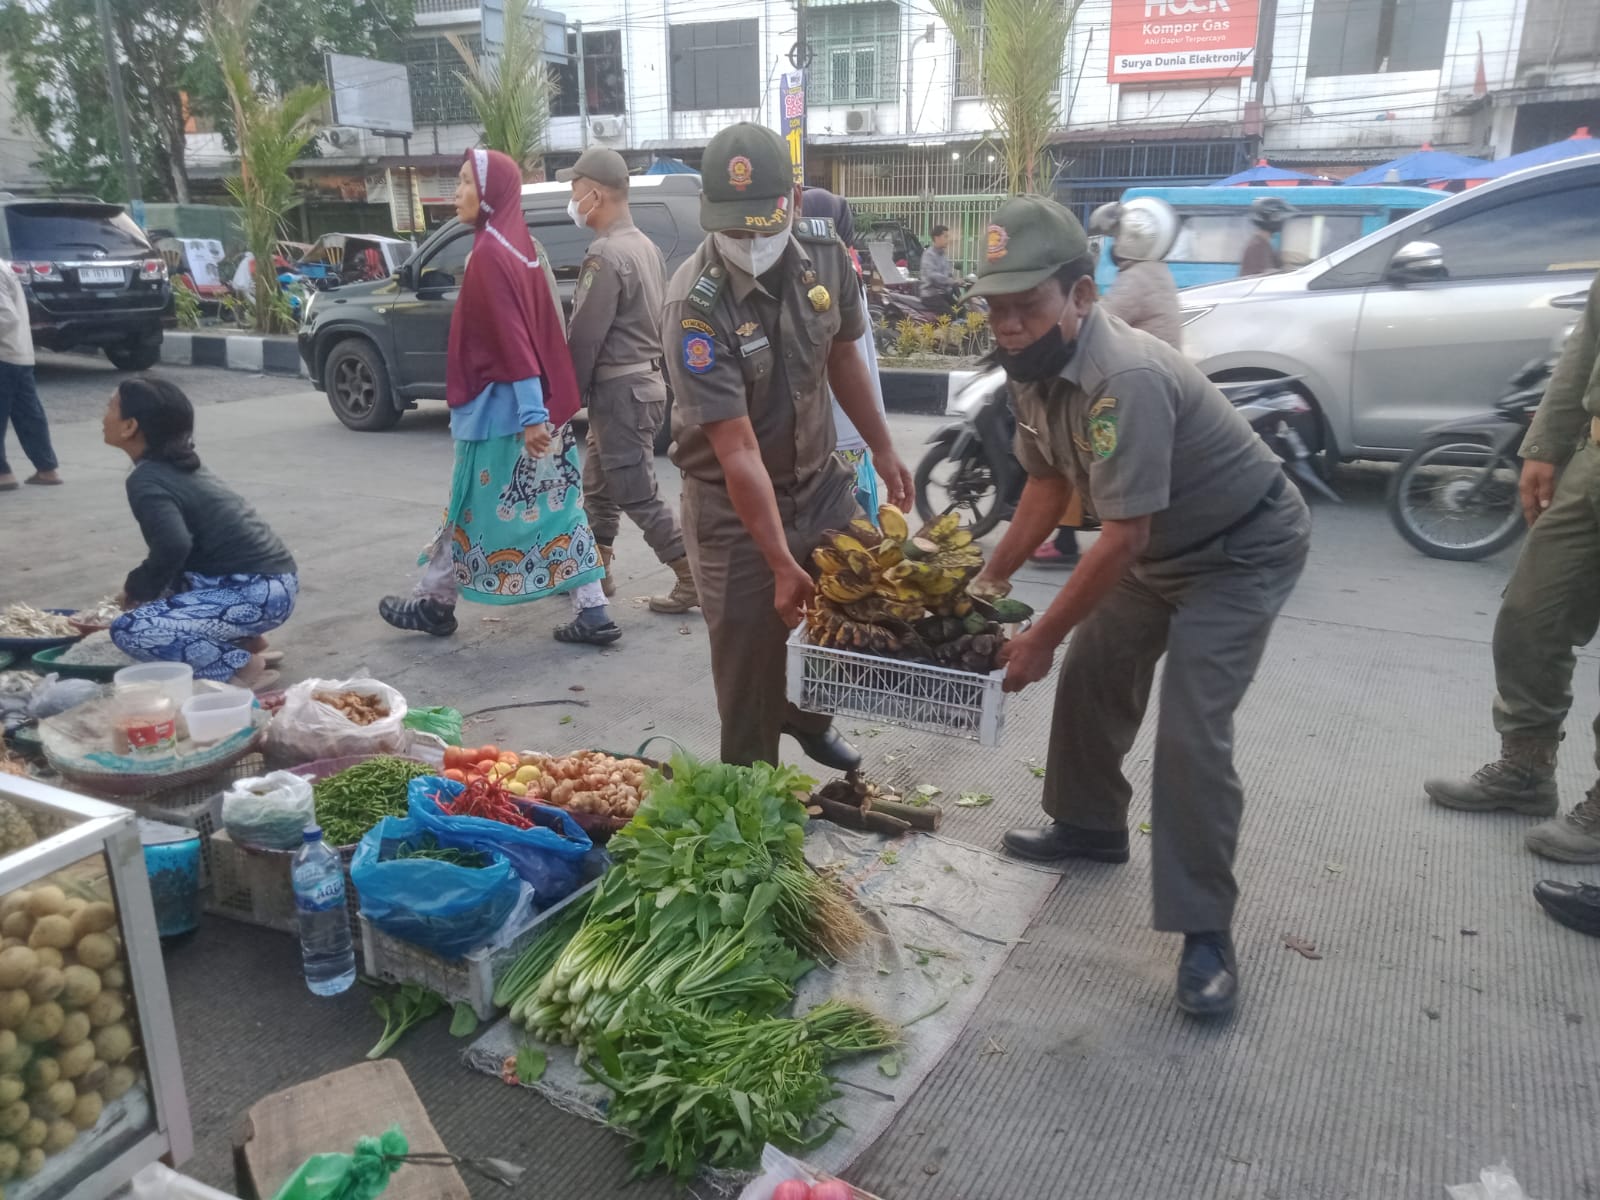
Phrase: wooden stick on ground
x=926 y=818
x=856 y=818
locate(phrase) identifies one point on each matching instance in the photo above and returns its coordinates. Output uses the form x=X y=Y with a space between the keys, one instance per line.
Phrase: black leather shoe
x=419 y=616
x=1068 y=841
x=1575 y=905
x=827 y=748
x=1208 y=976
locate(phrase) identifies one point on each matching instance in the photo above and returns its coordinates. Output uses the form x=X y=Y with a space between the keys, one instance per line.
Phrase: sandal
x=575 y=631
x=418 y=615
x=40 y=481
x=273 y=658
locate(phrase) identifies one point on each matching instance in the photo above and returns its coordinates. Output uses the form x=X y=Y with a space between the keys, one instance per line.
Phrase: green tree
x=1021 y=45
x=510 y=91
x=271 y=131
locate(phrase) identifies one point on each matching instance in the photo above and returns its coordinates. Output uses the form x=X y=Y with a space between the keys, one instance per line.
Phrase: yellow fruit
x=892 y=521
x=842 y=589
x=526 y=774
x=843 y=542
x=829 y=561
x=517 y=788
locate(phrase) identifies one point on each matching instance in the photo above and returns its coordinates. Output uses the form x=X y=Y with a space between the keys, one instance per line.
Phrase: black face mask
x=1039 y=360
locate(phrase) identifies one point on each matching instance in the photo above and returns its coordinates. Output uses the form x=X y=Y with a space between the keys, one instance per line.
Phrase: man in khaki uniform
x=615 y=338
x=1551 y=606
x=1201 y=543
x=759 y=322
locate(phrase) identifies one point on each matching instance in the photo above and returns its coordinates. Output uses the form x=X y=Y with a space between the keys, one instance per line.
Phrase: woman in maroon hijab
x=515 y=528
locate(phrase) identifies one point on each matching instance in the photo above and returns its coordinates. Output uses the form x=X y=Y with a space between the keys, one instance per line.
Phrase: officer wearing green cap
x=759 y=322
x=1201 y=543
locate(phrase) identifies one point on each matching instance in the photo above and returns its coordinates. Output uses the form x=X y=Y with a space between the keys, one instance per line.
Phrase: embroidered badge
x=746 y=329
x=820 y=300
x=752 y=346
x=808 y=277
x=699 y=354
x=704 y=292
x=1103 y=433
x=699 y=326
x=778 y=216
x=996 y=243
x=739 y=172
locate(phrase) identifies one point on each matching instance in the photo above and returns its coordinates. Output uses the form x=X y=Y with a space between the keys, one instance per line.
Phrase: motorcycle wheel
x=1456 y=500
x=969 y=485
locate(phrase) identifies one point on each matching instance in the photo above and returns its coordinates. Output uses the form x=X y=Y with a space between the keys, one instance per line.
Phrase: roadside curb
x=255 y=353
x=929 y=393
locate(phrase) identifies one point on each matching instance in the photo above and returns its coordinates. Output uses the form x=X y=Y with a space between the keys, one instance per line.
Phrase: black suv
x=378 y=348
x=91 y=276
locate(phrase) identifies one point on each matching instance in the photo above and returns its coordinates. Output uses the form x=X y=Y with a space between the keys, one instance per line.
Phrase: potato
x=46 y=901
x=10 y=1160
x=114 y=976
x=97 y=950
x=62 y=1133
x=114 y=1043
x=15 y=902
x=8 y=1043
x=49 y=956
x=74 y=906
x=43 y=1072
x=14 y=1006
x=18 y=925
x=11 y=1089
x=32 y=1163
x=60 y=1097
x=46 y=984
x=42 y=1023
x=118 y=1080
x=76 y=1060
x=13 y=1117
x=74 y=1030
x=32 y=1133
x=52 y=930
x=106 y=1008
x=82 y=984
x=93 y=918
x=94 y=1078
x=17 y=966
x=86 y=1112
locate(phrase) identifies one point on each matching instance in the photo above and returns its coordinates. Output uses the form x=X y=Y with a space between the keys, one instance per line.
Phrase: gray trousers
x=1209 y=611
x=619 y=471
x=1551 y=605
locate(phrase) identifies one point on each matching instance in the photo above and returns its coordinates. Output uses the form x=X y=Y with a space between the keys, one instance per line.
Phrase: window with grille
x=714 y=64
x=969 y=68
x=602 y=75
x=1368 y=37
x=437 y=97
x=855 y=53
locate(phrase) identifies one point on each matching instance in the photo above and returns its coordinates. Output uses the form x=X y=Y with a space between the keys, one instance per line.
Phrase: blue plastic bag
x=551 y=860
x=439 y=906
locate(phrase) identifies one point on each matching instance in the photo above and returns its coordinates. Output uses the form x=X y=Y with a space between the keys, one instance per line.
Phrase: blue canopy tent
x=669 y=166
x=1579 y=143
x=1265 y=175
x=1422 y=166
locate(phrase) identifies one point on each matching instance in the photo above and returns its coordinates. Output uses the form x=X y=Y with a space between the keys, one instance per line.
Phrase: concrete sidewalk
x=1448 y=1024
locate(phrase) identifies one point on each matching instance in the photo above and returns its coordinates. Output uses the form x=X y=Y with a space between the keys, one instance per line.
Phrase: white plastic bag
x=160 y=1182
x=306 y=729
x=270 y=811
x=1494 y=1183
x=777 y=1167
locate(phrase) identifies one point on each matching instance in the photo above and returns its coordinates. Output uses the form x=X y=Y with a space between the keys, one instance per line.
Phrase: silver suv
x=1418 y=323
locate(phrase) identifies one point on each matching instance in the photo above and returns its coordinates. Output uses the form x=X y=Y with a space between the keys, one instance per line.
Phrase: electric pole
x=119 y=103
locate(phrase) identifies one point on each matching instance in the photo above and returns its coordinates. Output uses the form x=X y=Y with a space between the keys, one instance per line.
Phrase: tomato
x=455 y=775
x=791 y=1189
x=509 y=756
x=831 y=1189
x=452 y=757
x=485 y=765
x=488 y=752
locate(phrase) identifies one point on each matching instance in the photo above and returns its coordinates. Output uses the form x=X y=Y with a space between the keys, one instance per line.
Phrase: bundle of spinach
x=696 y=1090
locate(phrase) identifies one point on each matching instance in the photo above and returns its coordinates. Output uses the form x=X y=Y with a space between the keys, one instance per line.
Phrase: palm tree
x=272 y=132
x=510 y=91
x=1020 y=45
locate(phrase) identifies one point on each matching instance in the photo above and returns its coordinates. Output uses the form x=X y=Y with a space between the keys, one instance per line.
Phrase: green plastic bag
x=362 y=1175
x=444 y=723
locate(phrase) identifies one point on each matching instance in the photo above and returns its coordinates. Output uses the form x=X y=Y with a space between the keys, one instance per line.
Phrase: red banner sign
x=1156 y=40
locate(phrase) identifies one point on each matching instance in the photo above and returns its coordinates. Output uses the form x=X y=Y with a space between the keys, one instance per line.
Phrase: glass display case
x=90 y=1085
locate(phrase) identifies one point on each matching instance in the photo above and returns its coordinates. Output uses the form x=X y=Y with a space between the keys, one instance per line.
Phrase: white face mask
x=575 y=211
x=756 y=255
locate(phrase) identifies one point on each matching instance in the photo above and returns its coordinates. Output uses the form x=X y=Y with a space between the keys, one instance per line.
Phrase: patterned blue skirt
x=203 y=625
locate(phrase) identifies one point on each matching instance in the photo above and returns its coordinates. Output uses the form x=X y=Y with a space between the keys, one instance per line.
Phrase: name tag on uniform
x=746 y=349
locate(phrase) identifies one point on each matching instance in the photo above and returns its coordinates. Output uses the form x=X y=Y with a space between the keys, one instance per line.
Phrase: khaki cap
x=600 y=164
x=1028 y=240
x=746 y=181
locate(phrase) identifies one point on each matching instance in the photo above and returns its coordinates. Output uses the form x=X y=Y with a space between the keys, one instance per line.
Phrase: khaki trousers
x=619 y=471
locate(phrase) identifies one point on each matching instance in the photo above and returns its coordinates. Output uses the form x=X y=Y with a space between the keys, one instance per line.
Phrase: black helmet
x=1269 y=212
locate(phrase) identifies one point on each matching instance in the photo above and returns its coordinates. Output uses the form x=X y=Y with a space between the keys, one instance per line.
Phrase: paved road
x=1446 y=1026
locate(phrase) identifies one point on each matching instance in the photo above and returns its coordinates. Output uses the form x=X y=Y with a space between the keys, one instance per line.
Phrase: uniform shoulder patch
x=1103 y=427
x=692 y=324
x=592 y=266
x=815 y=229
x=699 y=351
x=703 y=295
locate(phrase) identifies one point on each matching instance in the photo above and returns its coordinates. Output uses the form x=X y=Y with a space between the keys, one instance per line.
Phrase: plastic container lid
x=311 y=833
x=212 y=716
x=175 y=679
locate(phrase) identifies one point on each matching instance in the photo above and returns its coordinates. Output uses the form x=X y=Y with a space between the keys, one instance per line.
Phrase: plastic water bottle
x=329 y=958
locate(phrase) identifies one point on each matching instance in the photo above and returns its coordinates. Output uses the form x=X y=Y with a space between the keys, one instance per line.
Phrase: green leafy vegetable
x=531 y=1062
x=974 y=800
x=463 y=1021
x=408 y=1005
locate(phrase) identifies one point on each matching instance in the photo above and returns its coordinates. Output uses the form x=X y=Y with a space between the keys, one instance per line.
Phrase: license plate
x=100 y=275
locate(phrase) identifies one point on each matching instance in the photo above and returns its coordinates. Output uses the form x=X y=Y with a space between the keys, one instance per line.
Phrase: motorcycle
x=890 y=304
x=1455 y=496
x=971 y=467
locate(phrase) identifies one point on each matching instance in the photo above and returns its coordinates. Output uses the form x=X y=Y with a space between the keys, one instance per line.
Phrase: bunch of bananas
x=877 y=583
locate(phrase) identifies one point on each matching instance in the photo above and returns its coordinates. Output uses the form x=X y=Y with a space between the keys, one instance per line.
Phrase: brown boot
x=683 y=596
x=608 y=585
x=1522 y=779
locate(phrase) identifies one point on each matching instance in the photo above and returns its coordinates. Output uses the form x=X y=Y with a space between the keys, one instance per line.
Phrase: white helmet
x=1143 y=229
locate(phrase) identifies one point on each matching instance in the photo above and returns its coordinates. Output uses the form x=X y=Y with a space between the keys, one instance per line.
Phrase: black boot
x=418 y=615
x=1068 y=841
x=827 y=748
x=1575 y=905
x=1208 y=975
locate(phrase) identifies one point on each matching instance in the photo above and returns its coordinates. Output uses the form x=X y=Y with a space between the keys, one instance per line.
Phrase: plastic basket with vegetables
x=601 y=791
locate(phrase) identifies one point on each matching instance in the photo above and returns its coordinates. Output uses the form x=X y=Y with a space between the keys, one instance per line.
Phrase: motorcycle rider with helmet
x=1261 y=255
x=1142 y=232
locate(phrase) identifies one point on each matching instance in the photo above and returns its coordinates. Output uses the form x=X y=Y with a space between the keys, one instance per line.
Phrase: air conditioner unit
x=341 y=137
x=605 y=127
x=860 y=120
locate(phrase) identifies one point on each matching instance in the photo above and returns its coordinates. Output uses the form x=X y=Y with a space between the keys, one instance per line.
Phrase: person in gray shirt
x=938 y=277
x=1200 y=545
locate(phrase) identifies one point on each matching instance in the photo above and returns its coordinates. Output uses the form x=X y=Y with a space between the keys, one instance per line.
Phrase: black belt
x=1268 y=499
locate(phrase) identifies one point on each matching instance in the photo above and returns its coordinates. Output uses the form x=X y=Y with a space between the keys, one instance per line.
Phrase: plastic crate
x=253 y=885
x=469 y=979
x=197 y=806
x=847 y=683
